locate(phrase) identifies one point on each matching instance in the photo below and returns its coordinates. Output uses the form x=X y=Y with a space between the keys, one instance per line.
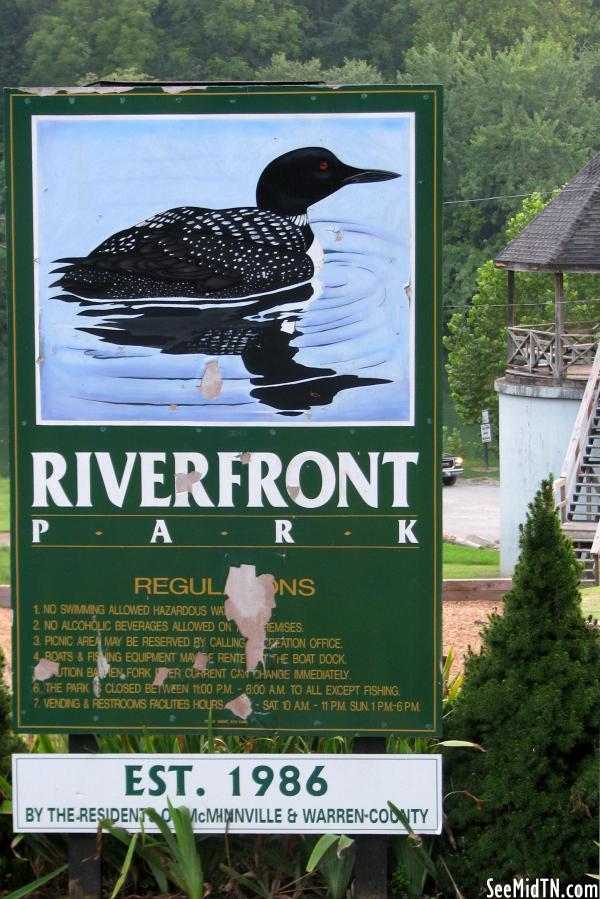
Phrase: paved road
x=471 y=509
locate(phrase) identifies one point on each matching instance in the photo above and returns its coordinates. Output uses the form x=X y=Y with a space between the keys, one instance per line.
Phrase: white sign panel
x=238 y=794
x=486 y=433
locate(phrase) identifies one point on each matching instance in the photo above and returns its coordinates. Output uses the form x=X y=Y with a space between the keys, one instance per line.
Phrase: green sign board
x=225 y=429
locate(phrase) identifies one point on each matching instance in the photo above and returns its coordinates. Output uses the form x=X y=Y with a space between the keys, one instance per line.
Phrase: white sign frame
x=72 y=793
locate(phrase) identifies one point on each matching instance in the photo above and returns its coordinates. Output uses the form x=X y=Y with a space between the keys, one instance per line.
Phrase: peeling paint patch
x=184 y=483
x=292 y=489
x=212 y=382
x=160 y=676
x=51 y=91
x=181 y=89
x=250 y=604
x=339 y=235
x=200 y=661
x=245 y=458
x=173 y=407
x=45 y=669
x=240 y=706
x=102 y=666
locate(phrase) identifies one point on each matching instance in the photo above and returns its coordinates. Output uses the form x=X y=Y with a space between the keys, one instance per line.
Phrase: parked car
x=451 y=468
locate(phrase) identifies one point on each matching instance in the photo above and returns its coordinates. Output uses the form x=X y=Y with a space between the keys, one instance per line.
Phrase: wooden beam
x=370 y=861
x=510 y=309
x=559 y=322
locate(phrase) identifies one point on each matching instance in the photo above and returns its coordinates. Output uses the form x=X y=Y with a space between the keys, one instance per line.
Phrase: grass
x=4 y=504
x=461 y=562
x=590 y=602
x=4 y=565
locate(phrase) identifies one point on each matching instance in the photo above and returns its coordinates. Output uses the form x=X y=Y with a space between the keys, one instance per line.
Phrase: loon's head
x=293 y=182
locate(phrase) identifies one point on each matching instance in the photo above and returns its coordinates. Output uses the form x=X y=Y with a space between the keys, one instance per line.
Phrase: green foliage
x=184 y=867
x=12 y=871
x=531 y=697
x=507 y=131
x=333 y=855
x=477 y=339
x=36 y=885
x=452 y=440
x=379 y=31
x=73 y=37
x=498 y=25
x=226 y=41
x=353 y=71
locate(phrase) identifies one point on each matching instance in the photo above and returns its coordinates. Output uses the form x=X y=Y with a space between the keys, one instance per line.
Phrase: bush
x=531 y=698
x=13 y=871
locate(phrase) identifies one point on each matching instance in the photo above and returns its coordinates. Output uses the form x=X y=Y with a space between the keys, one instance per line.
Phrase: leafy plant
x=35 y=885
x=334 y=857
x=414 y=861
x=184 y=866
x=532 y=697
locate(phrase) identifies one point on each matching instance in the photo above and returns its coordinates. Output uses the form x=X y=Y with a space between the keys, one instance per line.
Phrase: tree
x=353 y=71
x=531 y=698
x=477 y=337
x=378 y=31
x=228 y=40
x=500 y=25
x=516 y=121
x=77 y=36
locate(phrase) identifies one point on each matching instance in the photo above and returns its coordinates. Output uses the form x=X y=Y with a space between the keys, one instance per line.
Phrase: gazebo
x=564 y=237
x=550 y=393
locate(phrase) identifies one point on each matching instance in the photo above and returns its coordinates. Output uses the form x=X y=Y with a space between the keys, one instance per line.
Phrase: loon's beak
x=365 y=176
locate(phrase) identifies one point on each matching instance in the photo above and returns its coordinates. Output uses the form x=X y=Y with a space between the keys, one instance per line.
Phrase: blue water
x=340 y=352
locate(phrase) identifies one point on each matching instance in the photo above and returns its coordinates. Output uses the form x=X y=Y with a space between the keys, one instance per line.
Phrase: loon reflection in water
x=264 y=346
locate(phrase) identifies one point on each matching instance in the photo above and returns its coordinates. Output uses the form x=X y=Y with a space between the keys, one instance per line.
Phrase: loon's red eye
x=323 y=166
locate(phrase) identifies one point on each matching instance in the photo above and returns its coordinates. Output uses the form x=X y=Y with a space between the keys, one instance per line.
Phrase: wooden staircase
x=578 y=487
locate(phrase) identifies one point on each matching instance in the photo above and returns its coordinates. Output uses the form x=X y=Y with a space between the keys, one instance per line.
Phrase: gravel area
x=5 y=644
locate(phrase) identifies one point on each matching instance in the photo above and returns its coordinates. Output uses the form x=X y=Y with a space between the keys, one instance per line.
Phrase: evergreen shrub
x=528 y=806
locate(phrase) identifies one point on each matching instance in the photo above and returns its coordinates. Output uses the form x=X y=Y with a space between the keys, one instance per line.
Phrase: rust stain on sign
x=45 y=669
x=250 y=604
x=240 y=706
x=212 y=382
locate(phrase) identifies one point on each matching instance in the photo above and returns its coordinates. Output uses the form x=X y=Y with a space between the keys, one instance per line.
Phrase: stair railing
x=564 y=486
x=595 y=554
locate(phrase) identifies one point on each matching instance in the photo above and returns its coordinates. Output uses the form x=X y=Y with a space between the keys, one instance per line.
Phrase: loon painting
x=269 y=255
x=221 y=254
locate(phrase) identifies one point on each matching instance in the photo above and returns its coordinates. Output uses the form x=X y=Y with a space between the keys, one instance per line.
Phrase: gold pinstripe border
x=249 y=92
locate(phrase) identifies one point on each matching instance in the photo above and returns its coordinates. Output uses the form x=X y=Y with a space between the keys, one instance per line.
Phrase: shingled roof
x=565 y=236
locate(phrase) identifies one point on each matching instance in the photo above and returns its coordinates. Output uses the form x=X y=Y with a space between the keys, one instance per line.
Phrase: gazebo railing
x=537 y=350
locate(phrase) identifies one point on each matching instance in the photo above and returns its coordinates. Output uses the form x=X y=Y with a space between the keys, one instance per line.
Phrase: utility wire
x=565 y=190
x=503 y=305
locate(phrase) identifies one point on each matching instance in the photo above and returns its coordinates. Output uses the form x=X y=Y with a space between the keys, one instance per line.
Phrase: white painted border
x=84 y=781
x=200 y=423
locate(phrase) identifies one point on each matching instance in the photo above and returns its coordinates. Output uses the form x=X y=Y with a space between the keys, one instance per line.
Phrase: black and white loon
x=220 y=254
